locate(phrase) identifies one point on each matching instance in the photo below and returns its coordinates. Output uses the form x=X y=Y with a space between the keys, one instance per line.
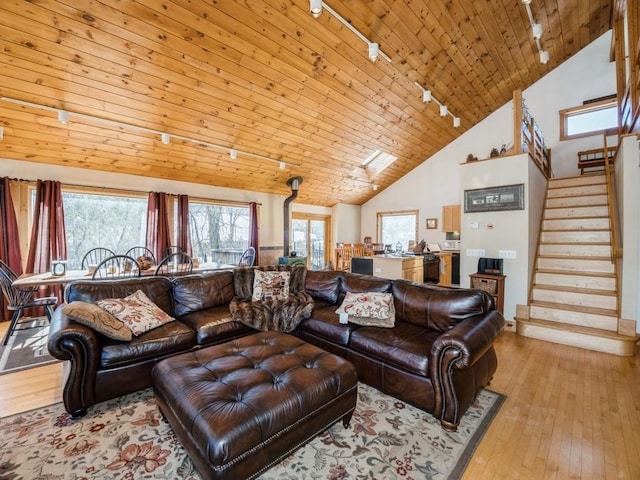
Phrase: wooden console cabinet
x=492 y=284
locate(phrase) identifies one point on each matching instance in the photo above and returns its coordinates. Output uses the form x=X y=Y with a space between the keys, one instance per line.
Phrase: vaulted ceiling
x=268 y=80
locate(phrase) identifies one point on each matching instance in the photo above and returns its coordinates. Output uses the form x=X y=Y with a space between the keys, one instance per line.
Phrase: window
x=219 y=232
x=590 y=119
x=394 y=227
x=116 y=222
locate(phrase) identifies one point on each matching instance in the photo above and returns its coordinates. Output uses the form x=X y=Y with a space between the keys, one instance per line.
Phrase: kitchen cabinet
x=491 y=283
x=413 y=269
x=451 y=218
x=445 y=269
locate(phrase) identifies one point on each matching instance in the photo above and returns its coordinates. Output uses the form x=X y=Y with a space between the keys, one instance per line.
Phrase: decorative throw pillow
x=136 y=311
x=369 y=309
x=270 y=285
x=100 y=320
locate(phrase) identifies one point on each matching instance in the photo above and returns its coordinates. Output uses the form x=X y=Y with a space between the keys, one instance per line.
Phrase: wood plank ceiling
x=266 y=78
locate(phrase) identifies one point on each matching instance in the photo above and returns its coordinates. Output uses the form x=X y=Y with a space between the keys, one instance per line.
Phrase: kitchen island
x=390 y=265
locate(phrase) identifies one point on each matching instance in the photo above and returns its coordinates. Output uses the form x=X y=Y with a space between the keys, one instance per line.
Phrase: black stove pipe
x=294 y=183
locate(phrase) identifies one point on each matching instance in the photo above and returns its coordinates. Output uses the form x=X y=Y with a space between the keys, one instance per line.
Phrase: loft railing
x=527 y=136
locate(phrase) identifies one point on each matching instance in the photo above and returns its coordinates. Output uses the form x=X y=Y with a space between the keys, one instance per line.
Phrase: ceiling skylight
x=377 y=162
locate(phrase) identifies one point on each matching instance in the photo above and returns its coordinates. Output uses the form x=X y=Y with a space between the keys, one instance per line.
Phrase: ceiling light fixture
x=166 y=138
x=374 y=50
x=114 y=123
x=536 y=32
x=316 y=7
x=444 y=110
x=1 y=133
x=233 y=153
x=375 y=187
x=63 y=116
x=282 y=165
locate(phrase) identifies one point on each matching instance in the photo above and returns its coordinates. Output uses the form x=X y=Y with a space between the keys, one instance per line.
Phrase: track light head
x=426 y=96
x=315 y=8
x=544 y=56
x=443 y=110
x=1 y=133
x=282 y=165
x=374 y=51
x=375 y=187
x=526 y=2
x=456 y=122
x=536 y=28
x=233 y=153
x=165 y=138
x=63 y=116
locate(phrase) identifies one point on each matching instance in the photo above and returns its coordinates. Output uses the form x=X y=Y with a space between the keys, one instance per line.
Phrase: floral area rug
x=128 y=439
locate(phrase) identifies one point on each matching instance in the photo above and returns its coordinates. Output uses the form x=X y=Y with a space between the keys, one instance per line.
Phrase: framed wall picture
x=494 y=199
x=432 y=223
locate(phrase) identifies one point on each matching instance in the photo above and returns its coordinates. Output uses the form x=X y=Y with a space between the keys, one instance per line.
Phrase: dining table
x=47 y=278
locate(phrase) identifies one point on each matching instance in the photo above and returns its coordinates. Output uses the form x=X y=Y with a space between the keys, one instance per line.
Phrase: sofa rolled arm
x=453 y=354
x=77 y=344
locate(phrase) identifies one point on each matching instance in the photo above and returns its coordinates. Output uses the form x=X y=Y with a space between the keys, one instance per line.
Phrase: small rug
x=27 y=347
x=127 y=438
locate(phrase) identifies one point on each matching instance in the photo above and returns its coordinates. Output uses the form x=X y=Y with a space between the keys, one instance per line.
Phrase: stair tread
x=585 y=291
x=591 y=205
x=580 y=230
x=597 y=332
x=588 y=244
x=575 y=308
x=580 y=273
x=574 y=257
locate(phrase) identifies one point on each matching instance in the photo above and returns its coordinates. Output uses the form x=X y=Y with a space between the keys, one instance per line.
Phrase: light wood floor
x=569 y=413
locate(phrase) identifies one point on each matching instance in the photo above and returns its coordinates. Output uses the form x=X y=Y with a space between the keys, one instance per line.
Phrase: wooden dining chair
x=137 y=252
x=21 y=299
x=179 y=263
x=248 y=257
x=96 y=256
x=117 y=266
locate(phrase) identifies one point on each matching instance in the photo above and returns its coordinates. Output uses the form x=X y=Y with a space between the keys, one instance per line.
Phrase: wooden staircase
x=574 y=295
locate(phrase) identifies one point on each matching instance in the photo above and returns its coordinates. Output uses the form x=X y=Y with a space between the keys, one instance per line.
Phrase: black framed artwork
x=494 y=199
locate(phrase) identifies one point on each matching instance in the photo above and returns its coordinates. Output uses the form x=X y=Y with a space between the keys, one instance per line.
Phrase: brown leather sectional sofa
x=437 y=357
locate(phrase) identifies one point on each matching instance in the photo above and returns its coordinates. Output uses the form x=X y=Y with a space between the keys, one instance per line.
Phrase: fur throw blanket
x=279 y=314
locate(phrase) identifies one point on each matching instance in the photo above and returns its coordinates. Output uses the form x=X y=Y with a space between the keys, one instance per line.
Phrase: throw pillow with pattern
x=369 y=309
x=136 y=311
x=98 y=319
x=270 y=285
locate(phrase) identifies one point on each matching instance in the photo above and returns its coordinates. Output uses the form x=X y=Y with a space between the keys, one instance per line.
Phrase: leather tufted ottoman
x=240 y=407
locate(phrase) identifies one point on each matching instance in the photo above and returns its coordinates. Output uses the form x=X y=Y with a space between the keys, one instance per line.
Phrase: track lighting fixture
x=316 y=7
x=282 y=165
x=536 y=28
x=374 y=50
x=444 y=111
x=1 y=133
x=536 y=31
x=233 y=153
x=375 y=187
x=544 y=56
x=63 y=116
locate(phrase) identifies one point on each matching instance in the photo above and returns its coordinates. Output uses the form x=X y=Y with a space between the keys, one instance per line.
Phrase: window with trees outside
x=398 y=227
x=118 y=221
x=219 y=232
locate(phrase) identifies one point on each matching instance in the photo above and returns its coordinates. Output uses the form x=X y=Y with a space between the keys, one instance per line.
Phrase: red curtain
x=48 y=236
x=9 y=240
x=158 y=236
x=253 y=229
x=184 y=234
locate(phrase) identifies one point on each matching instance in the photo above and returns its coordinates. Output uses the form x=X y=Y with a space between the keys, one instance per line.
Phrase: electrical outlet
x=378 y=270
x=475 y=252
x=506 y=253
